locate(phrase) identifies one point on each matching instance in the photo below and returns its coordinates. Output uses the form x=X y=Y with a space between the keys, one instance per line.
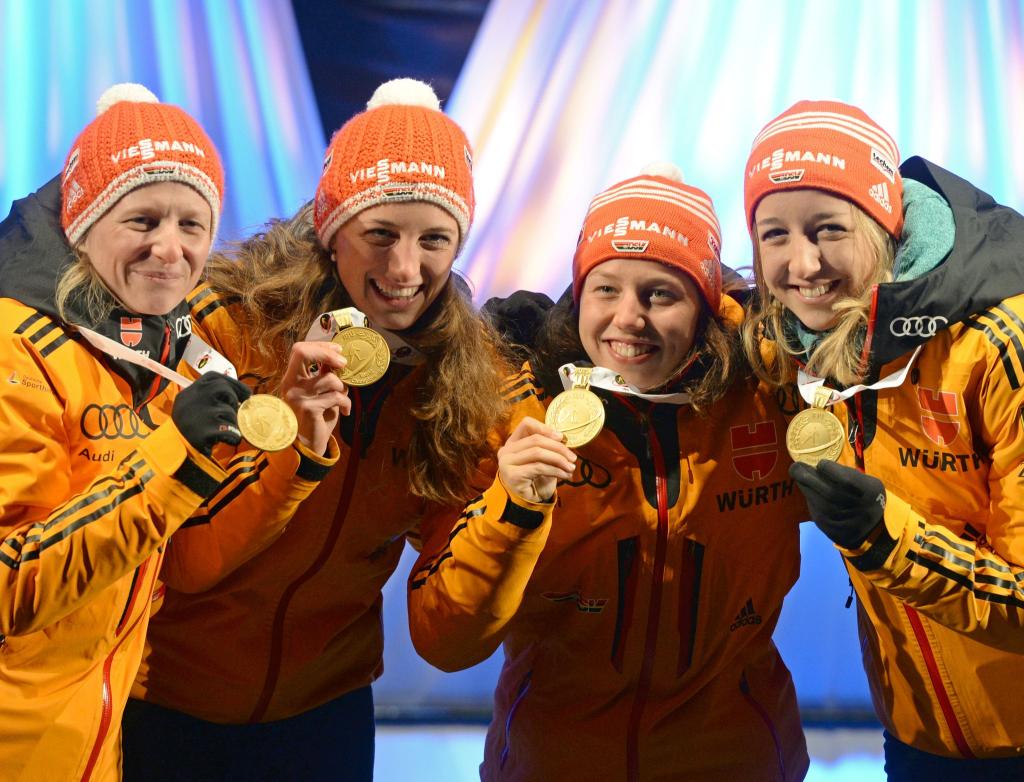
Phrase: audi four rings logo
x=918 y=326
x=111 y=422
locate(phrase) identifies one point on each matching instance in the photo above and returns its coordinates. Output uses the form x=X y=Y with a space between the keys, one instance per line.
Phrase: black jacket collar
x=985 y=266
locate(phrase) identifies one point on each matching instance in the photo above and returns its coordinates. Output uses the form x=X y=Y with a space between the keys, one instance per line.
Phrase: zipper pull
x=849 y=599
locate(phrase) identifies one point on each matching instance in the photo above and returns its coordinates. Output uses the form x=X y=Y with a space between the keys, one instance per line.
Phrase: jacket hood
x=34 y=252
x=985 y=266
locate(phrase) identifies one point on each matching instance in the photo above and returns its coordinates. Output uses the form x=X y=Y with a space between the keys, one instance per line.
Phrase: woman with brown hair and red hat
x=636 y=607
x=896 y=292
x=103 y=459
x=267 y=675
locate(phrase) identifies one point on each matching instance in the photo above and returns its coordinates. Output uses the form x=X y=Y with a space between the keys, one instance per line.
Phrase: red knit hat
x=826 y=145
x=402 y=148
x=653 y=217
x=135 y=141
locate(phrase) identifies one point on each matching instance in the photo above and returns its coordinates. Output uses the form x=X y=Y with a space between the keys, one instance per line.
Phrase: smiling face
x=639 y=319
x=394 y=260
x=812 y=254
x=151 y=246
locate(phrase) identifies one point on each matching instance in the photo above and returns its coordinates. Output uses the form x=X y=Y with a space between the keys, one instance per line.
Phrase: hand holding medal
x=263 y=420
x=368 y=352
x=533 y=460
x=312 y=389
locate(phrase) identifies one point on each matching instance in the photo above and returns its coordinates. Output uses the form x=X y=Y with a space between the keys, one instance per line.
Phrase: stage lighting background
x=559 y=99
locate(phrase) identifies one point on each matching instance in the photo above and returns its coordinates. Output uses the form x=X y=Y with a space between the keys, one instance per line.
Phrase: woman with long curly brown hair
x=283 y=652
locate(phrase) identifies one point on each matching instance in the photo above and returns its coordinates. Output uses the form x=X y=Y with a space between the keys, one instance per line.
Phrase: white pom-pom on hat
x=125 y=92
x=404 y=92
x=664 y=169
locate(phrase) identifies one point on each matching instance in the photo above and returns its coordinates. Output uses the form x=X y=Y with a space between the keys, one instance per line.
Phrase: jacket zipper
x=766 y=718
x=347 y=489
x=938 y=686
x=133 y=594
x=105 y=691
x=945 y=705
x=524 y=687
x=650 y=643
x=165 y=352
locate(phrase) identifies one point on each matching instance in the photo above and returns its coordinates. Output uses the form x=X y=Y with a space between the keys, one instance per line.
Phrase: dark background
x=351 y=47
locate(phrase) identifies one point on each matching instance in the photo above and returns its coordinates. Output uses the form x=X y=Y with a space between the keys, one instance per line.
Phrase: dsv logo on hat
x=917 y=326
x=111 y=422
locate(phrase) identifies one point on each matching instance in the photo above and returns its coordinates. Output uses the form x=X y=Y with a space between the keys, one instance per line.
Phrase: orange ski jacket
x=940 y=585
x=636 y=611
x=96 y=478
x=300 y=623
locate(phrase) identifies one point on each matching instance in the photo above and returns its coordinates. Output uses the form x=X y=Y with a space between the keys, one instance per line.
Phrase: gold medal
x=367 y=353
x=577 y=413
x=815 y=433
x=267 y=422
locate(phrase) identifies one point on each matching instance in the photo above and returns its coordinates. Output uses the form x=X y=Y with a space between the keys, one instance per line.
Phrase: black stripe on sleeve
x=54 y=345
x=965 y=582
x=28 y=323
x=252 y=474
x=195 y=478
x=311 y=470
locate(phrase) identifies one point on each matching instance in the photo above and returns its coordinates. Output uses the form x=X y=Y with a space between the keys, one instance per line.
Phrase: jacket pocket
x=133 y=595
x=627 y=556
x=521 y=691
x=766 y=718
x=690 y=570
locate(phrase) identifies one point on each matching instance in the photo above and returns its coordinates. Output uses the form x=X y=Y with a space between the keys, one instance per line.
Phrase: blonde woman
x=897 y=290
x=102 y=459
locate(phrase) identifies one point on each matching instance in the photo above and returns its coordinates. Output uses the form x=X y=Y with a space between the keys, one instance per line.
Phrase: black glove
x=206 y=413
x=845 y=503
x=519 y=317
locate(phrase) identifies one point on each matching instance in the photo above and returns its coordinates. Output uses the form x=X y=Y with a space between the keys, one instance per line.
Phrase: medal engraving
x=267 y=422
x=814 y=434
x=578 y=414
x=367 y=353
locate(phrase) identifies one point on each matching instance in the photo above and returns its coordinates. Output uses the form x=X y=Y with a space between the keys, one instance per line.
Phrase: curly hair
x=839 y=354
x=281 y=279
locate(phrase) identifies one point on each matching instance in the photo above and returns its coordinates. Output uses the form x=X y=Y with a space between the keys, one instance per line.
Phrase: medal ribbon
x=328 y=324
x=809 y=385
x=195 y=352
x=600 y=377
